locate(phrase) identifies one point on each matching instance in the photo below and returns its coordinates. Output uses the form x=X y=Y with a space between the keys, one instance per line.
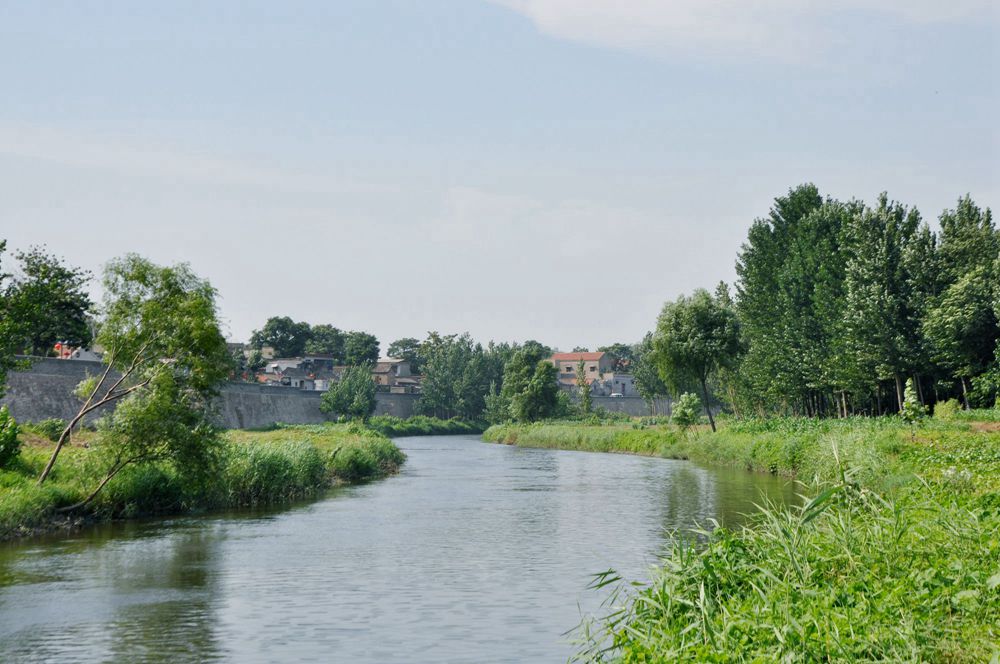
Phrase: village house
x=599 y=370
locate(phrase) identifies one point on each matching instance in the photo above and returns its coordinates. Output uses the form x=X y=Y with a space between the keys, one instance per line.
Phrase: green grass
x=895 y=558
x=255 y=468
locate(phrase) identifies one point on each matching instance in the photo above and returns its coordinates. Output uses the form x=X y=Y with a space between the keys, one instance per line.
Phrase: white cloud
x=773 y=28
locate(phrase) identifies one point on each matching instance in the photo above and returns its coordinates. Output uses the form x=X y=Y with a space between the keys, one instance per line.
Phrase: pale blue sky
x=552 y=169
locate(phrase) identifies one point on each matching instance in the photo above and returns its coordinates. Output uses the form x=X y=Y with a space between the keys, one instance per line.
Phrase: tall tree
x=529 y=383
x=161 y=335
x=695 y=336
x=12 y=331
x=646 y=374
x=586 y=400
x=353 y=396
x=879 y=321
x=287 y=337
x=622 y=356
x=326 y=340
x=407 y=349
x=53 y=300
x=360 y=348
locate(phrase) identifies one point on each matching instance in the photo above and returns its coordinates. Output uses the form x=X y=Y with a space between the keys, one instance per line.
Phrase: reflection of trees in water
x=694 y=495
x=105 y=597
x=179 y=620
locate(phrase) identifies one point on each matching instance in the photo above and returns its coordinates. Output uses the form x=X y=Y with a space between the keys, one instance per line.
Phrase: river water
x=475 y=552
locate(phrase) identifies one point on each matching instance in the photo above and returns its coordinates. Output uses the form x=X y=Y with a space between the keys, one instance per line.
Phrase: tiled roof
x=576 y=357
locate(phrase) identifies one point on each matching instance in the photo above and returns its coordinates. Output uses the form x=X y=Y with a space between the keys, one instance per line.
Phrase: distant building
x=598 y=368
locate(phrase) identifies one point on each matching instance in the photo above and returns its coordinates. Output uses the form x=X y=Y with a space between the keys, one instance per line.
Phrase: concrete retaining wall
x=46 y=390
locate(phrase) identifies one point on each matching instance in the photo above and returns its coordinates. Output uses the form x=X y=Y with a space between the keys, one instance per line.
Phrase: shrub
x=10 y=445
x=947 y=410
x=686 y=409
x=51 y=428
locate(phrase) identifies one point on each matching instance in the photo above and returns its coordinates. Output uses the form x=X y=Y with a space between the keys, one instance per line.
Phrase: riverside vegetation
x=893 y=555
x=248 y=468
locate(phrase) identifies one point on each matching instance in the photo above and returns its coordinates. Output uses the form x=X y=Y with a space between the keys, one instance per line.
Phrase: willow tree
x=164 y=360
x=695 y=337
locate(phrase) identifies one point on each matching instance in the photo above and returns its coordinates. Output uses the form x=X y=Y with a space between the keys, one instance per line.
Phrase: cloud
x=726 y=28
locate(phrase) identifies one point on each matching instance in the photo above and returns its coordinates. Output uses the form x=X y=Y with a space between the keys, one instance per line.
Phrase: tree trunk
x=899 y=392
x=965 y=393
x=920 y=390
x=708 y=409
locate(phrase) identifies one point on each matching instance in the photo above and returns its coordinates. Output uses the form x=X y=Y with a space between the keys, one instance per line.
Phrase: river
x=475 y=552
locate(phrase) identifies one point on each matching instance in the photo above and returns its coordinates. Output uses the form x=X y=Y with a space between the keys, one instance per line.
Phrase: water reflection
x=474 y=553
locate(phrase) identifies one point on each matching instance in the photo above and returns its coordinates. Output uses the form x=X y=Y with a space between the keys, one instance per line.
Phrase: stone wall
x=46 y=390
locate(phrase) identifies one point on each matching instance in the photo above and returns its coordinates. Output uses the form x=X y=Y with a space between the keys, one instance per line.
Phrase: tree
x=586 y=400
x=255 y=361
x=540 y=397
x=12 y=330
x=694 y=338
x=529 y=383
x=962 y=327
x=54 y=302
x=879 y=324
x=645 y=372
x=407 y=349
x=685 y=411
x=326 y=340
x=622 y=356
x=161 y=335
x=285 y=336
x=913 y=412
x=353 y=396
x=360 y=348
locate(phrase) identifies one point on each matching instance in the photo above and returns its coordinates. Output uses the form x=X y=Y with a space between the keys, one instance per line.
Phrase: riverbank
x=895 y=558
x=254 y=468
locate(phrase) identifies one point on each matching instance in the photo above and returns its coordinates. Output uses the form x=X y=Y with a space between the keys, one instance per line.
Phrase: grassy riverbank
x=254 y=468
x=895 y=558
x=421 y=425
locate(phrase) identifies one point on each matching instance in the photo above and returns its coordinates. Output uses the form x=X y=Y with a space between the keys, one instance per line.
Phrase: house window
x=593 y=368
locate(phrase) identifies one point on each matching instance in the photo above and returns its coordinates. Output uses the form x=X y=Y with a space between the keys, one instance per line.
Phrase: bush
x=10 y=445
x=686 y=409
x=947 y=410
x=51 y=428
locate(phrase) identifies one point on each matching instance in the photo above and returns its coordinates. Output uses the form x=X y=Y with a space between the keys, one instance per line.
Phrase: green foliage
x=684 y=412
x=457 y=373
x=421 y=425
x=913 y=411
x=407 y=349
x=287 y=337
x=51 y=428
x=530 y=385
x=161 y=333
x=586 y=397
x=695 y=337
x=267 y=474
x=353 y=396
x=360 y=348
x=497 y=406
x=645 y=372
x=326 y=340
x=622 y=356
x=53 y=302
x=10 y=445
x=848 y=576
x=250 y=468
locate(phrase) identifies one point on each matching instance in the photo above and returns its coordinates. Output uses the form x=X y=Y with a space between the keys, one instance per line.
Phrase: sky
x=545 y=169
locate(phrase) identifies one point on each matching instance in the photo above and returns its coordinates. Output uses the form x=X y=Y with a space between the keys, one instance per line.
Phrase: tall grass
x=253 y=468
x=848 y=577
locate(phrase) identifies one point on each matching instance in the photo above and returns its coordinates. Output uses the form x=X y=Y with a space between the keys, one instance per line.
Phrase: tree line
x=837 y=305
